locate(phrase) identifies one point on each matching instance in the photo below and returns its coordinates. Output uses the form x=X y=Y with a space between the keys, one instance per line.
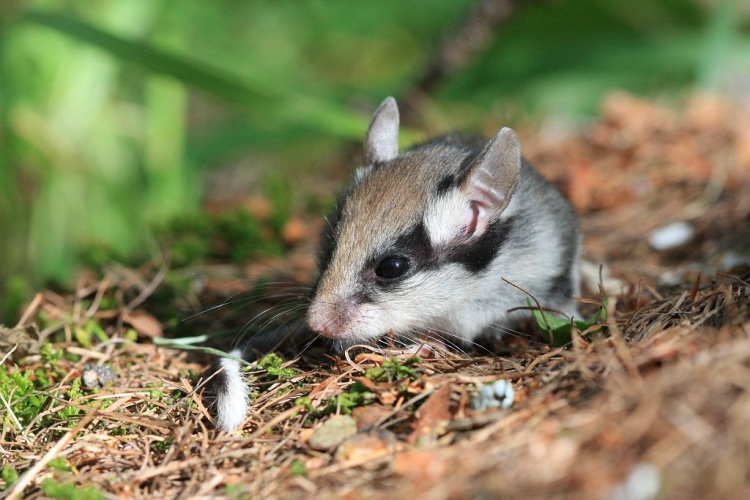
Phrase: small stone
x=643 y=483
x=732 y=259
x=497 y=395
x=504 y=393
x=333 y=432
x=363 y=448
x=94 y=376
x=671 y=236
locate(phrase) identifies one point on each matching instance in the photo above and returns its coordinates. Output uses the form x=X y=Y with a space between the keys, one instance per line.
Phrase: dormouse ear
x=381 y=142
x=491 y=180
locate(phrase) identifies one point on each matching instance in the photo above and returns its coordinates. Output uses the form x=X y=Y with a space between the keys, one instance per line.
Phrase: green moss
x=59 y=463
x=50 y=354
x=17 y=292
x=9 y=475
x=298 y=468
x=161 y=446
x=70 y=491
x=73 y=394
x=394 y=370
x=357 y=395
x=272 y=363
x=235 y=235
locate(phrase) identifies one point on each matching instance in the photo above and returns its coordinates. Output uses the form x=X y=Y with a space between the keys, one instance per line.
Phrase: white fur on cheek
x=232 y=396
x=415 y=307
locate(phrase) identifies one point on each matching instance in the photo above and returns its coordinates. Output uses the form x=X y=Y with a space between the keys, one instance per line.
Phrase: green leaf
x=724 y=23
x=558 y=330
x=554 y=329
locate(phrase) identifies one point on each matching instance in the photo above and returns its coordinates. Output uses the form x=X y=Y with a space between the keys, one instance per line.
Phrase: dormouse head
x=413 y=232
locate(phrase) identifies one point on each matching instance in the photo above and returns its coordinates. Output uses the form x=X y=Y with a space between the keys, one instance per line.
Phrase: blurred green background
x=114 y=113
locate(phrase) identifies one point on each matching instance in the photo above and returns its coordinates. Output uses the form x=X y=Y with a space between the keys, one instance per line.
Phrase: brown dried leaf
x=324 y=387
x=368 y=384
x=388 y=398
x=363 y=448
x=261 y=208
x=433 y=413
x=144 y=323
x=420 y=466
x=369 y=416
x=22 y=340
x=436 y=408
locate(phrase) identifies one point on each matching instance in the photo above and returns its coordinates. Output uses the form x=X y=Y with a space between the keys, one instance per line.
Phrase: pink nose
x=326 y=323
x=323 y=324
x=320 y=325
x=330 y=319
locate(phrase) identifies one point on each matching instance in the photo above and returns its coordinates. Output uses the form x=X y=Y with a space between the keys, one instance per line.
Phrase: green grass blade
x=256 y=99
x=723 y=24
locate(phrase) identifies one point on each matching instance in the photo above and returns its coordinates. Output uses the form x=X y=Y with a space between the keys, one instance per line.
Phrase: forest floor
x=652 y=400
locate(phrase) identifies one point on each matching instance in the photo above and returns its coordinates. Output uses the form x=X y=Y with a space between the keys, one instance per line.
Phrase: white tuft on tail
x=231 y=395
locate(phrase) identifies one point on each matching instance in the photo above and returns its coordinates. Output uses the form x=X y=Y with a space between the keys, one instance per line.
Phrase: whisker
x=261 y=328
x=237 y=299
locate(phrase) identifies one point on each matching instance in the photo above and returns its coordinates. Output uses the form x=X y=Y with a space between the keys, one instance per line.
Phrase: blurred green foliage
x=112 y=112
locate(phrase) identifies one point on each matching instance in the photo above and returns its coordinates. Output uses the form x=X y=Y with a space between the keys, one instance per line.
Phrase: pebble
x=671 y=236
x=733 y=259
x=497 y=395
x=332 y=432
x=643 y=483
x=94 y=376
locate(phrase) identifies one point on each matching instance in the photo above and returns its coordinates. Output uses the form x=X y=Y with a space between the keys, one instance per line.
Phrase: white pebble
x=733 y=259
x=497 y=395
x=643 y=483
x=504 y=393
x=671 y=236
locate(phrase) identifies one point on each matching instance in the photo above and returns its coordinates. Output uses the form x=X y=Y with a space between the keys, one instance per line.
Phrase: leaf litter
x=656 y=394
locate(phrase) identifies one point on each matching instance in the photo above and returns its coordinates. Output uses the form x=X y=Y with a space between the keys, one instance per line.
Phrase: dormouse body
x=424 y=243
x=423 y=240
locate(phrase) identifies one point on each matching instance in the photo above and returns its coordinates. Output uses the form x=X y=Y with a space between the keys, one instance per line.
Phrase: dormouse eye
x=392 y=267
